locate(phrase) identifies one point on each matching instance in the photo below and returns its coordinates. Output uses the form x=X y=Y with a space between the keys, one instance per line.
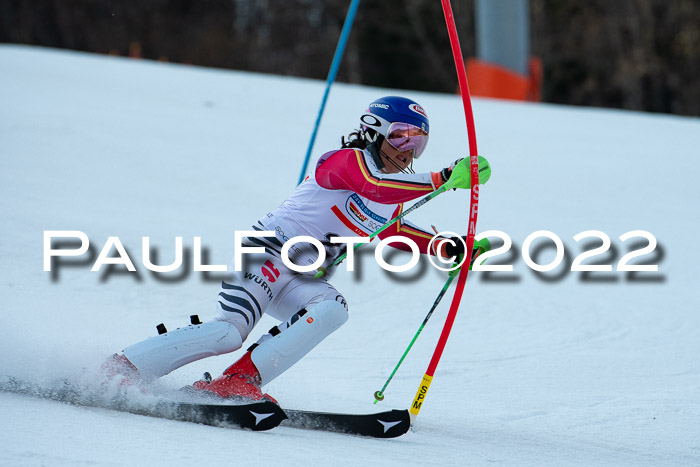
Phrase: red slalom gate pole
x=473 y=210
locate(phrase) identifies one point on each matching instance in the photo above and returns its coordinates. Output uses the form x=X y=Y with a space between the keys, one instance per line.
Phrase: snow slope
x=541 y=369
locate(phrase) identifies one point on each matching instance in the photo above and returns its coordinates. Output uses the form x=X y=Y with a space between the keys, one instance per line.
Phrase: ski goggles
x=406 y=137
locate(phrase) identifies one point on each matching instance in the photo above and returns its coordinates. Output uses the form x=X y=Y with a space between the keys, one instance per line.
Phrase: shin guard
x=274 y=356
x=157 y=356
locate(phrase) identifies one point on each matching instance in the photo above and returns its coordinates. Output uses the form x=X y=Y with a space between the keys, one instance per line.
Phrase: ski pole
x=379 y=395
x=446 y=186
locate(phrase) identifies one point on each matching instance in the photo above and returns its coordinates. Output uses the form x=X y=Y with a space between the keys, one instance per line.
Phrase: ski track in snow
x=536 y=372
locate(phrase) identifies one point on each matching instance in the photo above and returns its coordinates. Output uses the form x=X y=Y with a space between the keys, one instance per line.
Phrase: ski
x=256 y=416
x=266 y=415
x=390 y=424
x=253 y=415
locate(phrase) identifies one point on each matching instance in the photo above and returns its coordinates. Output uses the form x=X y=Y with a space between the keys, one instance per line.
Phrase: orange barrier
x=490 y=80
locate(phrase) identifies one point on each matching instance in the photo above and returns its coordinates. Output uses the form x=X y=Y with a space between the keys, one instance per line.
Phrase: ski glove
x=439 y=178
x=458 y=175
x=446 y=173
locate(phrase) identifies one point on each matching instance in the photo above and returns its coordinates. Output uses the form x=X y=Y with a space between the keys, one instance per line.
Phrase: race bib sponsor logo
x=355 y=204
x=356 y=211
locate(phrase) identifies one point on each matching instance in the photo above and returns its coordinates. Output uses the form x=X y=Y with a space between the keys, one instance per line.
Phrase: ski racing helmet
x=398 y=120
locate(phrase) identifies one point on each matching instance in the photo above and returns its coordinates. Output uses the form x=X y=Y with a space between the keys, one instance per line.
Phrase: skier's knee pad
x=274 y=356
x=157 y=356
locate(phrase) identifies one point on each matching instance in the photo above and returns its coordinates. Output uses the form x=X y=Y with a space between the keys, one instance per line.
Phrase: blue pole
x=337 y=58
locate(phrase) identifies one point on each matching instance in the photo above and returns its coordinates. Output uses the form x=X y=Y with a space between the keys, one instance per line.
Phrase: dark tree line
x=631 y=54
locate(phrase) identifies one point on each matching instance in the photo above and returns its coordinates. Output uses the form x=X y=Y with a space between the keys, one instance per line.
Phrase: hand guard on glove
x=463 y=180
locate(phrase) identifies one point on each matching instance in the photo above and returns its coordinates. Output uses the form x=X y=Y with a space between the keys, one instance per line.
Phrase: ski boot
x=118 y=366
x=239 y=381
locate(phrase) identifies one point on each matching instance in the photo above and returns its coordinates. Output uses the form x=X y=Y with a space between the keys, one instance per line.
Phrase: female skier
x=353 y=192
